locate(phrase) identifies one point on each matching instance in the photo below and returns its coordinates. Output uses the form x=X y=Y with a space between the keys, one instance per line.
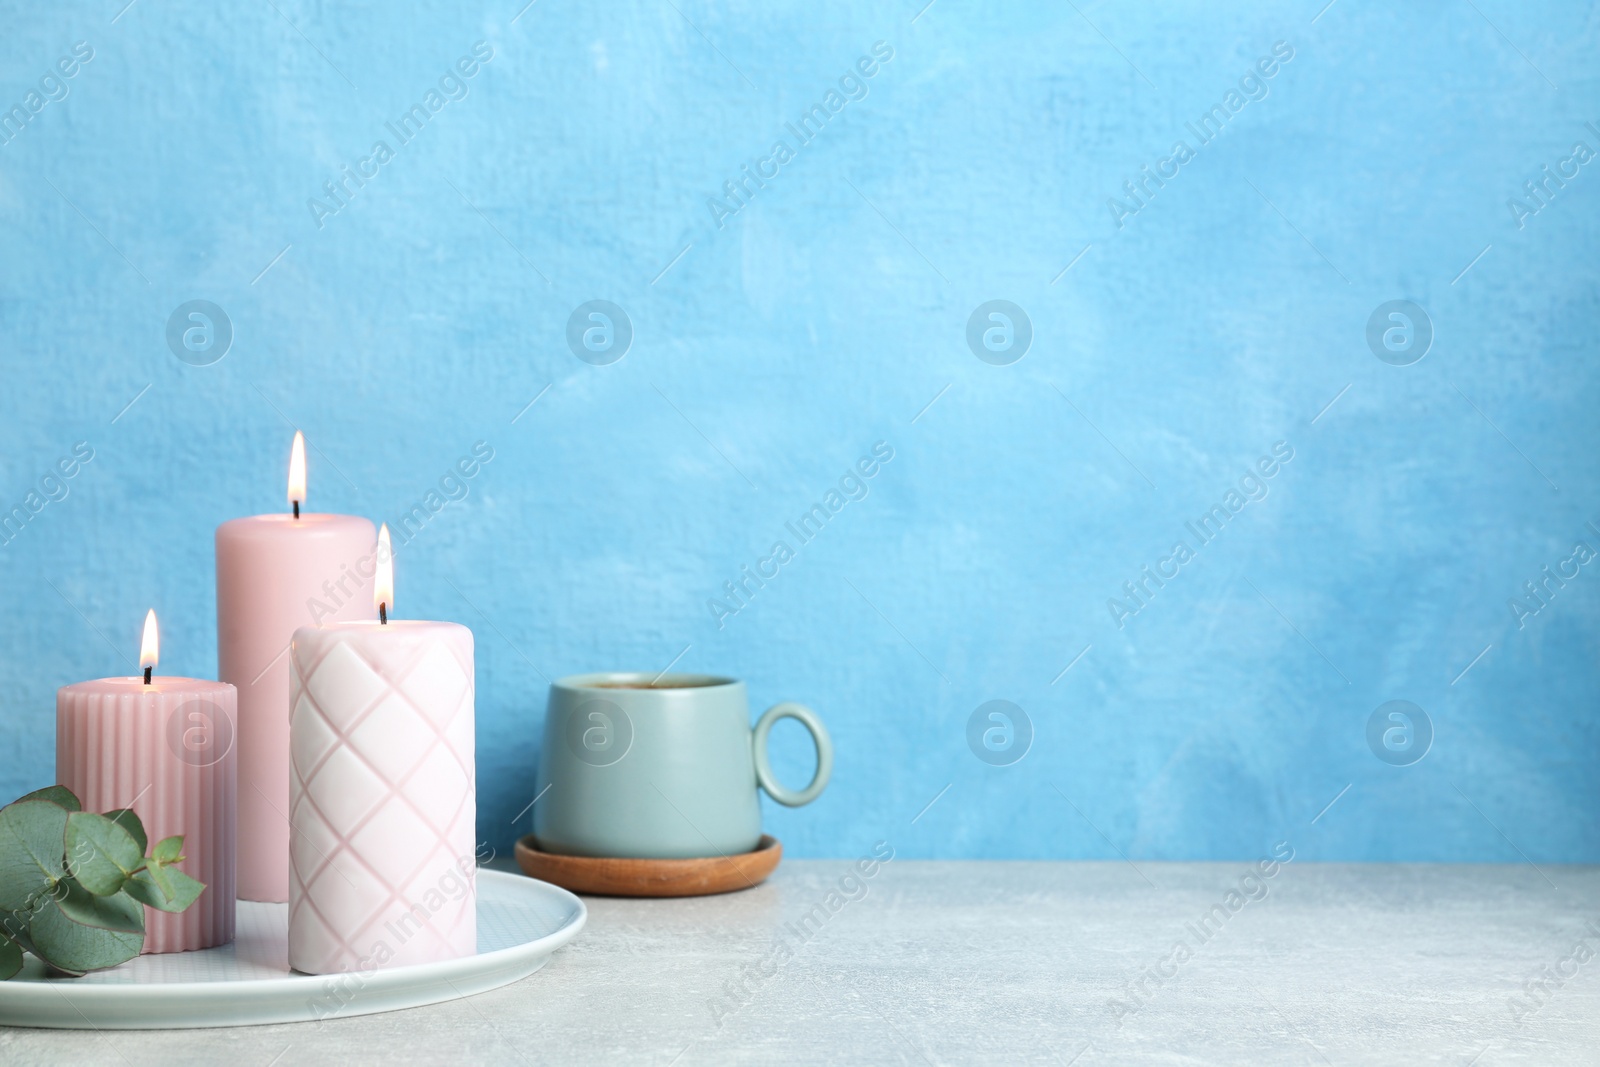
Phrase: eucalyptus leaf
x=23 y=940
x=81 y=932
x=159 y=875
x=32 y=852
x=74 y=885
x=185 y=890
x=14 y=924
x=55 y=794
x=115 y=913
x=101 y=853
x=144 y=888
x=168 y=850
x=164 y=888
x=128 y=819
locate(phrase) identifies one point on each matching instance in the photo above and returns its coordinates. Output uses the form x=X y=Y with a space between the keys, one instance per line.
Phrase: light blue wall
x=1219 y=319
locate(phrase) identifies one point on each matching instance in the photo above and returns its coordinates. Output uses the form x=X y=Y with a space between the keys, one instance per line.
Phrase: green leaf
x=115 y=913
x=169 y=850
x=32 y=847
x=101 y=853
x=185 y=890
x=128 y=819
x=21 y=937
x=81 y=932
x=59 y=795
x=143 y=888
x=164 y=888
x=10 y=958
x=14 y=924
x=161 y=877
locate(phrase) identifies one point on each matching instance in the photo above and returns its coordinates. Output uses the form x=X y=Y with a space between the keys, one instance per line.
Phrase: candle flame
x=383 y=580
x=297 y=470
x=150 y=644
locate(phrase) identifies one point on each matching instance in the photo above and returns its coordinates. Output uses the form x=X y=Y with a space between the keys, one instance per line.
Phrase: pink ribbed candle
x=166 y=750
x=383 y=796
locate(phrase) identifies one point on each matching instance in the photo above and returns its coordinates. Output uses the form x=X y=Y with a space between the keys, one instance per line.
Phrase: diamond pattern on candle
x=437 y=684
x=438 y=787
x=389 y=802
x=343 y=687
x=394 y=820
x=344 y=789
x=312 y=847
x=393 y=717
x=314 y=740
x=343 y=891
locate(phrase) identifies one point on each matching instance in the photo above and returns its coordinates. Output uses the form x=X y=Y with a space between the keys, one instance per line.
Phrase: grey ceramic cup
x=664 y=772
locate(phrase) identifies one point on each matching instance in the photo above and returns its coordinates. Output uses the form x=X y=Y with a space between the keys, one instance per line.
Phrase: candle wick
x=297 y=509
x=383 y=613
x=147 y=671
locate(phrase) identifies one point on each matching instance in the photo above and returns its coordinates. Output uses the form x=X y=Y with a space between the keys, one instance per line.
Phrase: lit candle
x=165 y=748
x=276 y=573
x=382 y=791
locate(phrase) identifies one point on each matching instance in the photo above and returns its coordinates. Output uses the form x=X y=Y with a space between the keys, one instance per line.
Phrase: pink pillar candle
x=276 y=573
x=383 y=796
x=165 y=749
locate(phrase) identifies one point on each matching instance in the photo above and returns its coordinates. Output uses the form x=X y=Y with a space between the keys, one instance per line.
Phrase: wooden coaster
x=607 y=876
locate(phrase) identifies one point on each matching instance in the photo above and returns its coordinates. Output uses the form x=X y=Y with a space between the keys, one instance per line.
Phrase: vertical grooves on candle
x=115 y=750
x=199 y=921
x=203 y=804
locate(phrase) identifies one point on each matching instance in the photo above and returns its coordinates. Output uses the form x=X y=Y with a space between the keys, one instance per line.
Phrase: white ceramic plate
x=521 y=921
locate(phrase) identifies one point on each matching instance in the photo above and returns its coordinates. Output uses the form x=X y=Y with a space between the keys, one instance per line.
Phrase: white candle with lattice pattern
x=382 y=795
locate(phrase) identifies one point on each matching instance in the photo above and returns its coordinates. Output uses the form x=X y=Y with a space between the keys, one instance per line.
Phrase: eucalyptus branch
x=74 y=884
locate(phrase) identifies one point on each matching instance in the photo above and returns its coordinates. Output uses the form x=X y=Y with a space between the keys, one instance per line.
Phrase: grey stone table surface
x=1008 y=963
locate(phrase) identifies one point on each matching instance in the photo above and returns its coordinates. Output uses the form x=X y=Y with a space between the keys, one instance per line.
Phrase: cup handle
x=819 y=737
